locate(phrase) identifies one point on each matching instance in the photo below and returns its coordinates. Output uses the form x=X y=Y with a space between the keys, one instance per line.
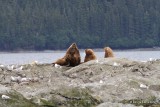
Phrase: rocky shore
x=109 y=82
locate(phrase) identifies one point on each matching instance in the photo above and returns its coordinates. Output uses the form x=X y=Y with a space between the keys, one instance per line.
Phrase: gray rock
x=109 y=104
x=111 y=82
x=4 y=90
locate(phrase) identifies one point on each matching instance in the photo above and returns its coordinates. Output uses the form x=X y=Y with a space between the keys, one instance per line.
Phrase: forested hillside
x=55 y=24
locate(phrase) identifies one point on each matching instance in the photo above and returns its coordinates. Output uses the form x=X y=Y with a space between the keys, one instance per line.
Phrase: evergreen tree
x=55 y=24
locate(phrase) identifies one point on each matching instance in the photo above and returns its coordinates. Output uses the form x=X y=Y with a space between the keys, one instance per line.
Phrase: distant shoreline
x=140 y=49
x=96 y=50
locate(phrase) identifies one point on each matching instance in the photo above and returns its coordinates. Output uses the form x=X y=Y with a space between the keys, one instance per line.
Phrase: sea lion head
x=89 y=52
x=108 y=52
x=73 y=48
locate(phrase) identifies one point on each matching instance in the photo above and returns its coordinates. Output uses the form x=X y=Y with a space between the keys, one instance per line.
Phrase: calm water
x=51 y=56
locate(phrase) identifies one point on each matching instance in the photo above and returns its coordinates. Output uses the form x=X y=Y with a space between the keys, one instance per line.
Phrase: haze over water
x=50 y=56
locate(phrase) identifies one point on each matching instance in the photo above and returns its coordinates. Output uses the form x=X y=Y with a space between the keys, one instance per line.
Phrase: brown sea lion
x=62 y=61
x=108 y=52
x=89 y=55
x=71 y=58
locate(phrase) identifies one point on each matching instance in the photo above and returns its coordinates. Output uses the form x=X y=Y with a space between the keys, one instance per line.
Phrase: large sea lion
x=71 y=58
x=89 y=55
x=108 y=52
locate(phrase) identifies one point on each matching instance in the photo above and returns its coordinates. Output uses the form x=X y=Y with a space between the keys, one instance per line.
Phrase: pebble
x=57 y=66
x=115 y=64
x=25 y=80
x=97 y=61
x=143 y=86
x=100 y=81
x=15 y=79
x=5 y=97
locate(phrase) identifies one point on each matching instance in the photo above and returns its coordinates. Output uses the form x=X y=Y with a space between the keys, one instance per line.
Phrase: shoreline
x=48 y=56
x=95 y=49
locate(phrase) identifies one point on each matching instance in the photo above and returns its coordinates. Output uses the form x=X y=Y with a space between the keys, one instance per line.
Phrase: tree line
x=55 y=24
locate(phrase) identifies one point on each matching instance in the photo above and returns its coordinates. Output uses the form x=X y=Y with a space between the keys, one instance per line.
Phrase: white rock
x=100 y=81
x=151 y=59
x=143 y=86
x=2 y=66
x=19 y=69
x=10 y=68
x=34 y=62
x=57 y=66
x=30 y=79
x=41 y=77
x=25 y=80
x=115 y=64
x=15 y=79
x=23 y=75
x=5 y=97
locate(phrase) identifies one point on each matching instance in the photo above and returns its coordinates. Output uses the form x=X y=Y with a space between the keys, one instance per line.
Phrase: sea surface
x=8 y=58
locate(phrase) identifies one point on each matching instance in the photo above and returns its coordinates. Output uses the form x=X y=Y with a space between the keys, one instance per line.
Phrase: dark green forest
x=55 y=24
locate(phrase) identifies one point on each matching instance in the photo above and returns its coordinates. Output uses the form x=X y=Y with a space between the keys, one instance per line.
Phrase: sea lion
x=71 y=58
x=89 y=55
x=108 y=52
x=62 y=61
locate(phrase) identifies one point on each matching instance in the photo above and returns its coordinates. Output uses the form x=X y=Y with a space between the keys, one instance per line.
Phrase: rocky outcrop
x=109 y=82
